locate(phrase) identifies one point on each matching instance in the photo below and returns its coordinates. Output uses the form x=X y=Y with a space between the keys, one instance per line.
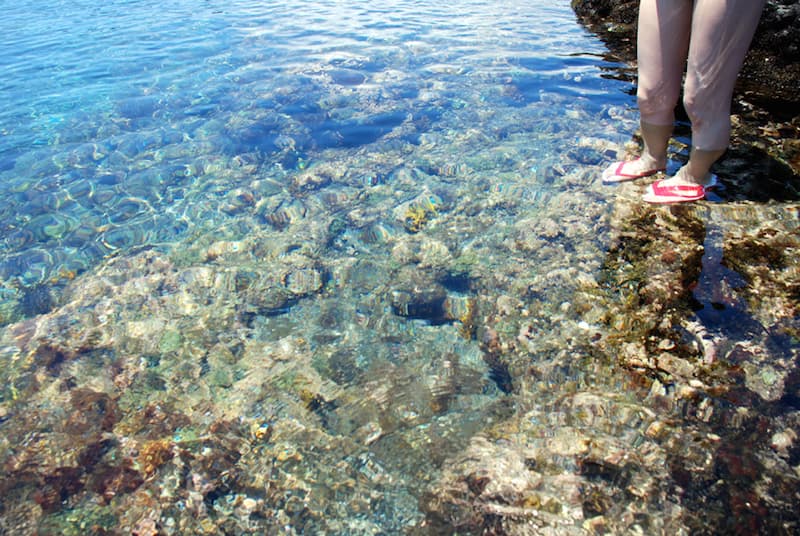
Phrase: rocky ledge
x=766 y=101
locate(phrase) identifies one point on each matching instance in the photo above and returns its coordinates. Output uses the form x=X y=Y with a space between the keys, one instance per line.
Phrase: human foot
x=631 y=170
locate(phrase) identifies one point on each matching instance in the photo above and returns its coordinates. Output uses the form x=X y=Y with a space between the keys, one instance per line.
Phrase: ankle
x=652 y=162
x=687 y=175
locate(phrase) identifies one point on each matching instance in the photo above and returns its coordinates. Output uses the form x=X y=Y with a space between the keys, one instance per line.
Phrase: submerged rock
x=532 y=355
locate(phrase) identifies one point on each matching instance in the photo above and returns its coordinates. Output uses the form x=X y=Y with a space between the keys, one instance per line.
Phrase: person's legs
x=663 y=42
x=662 y=45
x=720 y=36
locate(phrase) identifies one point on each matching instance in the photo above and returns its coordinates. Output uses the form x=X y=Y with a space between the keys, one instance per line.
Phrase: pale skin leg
x=720 y=36
x=714 y=36
x=698 y=169
x=663 y=43
x=656 y=139
x=654 y=156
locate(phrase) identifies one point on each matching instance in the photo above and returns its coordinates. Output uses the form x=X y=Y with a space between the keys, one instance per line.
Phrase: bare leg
x=663 y=42
x=656 y=139
x=698 y=169
x=654 y=154
x=721 y=35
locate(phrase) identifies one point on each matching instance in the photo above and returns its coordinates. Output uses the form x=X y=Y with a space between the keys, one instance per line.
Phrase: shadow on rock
x=751 y=174
x=704 y=308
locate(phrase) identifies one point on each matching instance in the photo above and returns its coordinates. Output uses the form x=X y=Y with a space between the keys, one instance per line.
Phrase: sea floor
x=386 y=292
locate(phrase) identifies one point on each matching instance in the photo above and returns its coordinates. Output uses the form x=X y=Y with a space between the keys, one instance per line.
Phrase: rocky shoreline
x=701 y=307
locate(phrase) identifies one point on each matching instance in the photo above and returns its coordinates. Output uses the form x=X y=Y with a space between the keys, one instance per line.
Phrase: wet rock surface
x=650 y=389
x=688 y=430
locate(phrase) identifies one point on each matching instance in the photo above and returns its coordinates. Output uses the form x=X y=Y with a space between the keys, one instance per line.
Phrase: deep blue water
x=121 y=120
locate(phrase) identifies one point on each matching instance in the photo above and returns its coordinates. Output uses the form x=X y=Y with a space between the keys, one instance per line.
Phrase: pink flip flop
x=661 y=193
x=614 y=173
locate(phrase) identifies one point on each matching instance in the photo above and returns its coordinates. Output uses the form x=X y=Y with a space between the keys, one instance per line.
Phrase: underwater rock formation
x=450 y=327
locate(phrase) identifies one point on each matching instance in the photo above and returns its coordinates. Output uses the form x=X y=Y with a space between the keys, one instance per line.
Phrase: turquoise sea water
x=121 y=122
x=343 y=268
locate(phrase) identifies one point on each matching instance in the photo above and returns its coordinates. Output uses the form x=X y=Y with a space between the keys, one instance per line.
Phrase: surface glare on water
x=262 y=246
x=160 y=105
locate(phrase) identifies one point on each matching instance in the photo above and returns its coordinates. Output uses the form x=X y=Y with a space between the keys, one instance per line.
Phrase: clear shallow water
x=282 y=268
x=121 y=120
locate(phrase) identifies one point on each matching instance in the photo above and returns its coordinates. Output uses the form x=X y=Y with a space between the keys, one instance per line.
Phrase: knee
x=711 y=122
x=690 y=104
x=702 y=111
x=656 y=103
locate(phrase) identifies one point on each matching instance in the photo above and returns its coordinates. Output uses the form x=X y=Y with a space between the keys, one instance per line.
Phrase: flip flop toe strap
x=689 y=191
x=639 y=175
